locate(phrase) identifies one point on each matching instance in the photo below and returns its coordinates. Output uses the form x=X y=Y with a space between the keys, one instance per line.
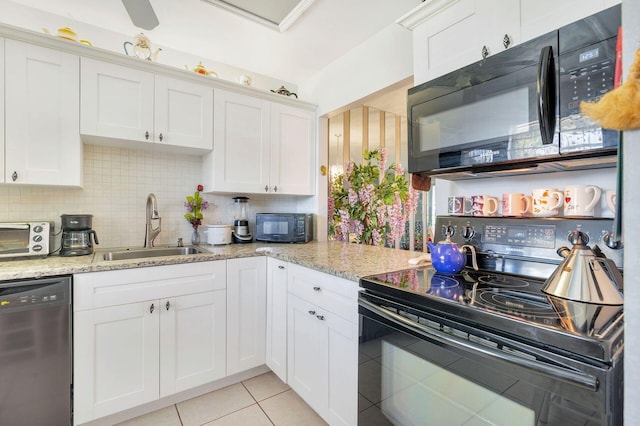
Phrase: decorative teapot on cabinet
x=141 y=48
x=449 y=258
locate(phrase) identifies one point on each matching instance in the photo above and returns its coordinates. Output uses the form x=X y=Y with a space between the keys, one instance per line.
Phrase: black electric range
x=515 y=257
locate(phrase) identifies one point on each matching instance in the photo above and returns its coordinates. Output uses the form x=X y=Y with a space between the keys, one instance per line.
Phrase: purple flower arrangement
x=370 y=203
x=195 y=205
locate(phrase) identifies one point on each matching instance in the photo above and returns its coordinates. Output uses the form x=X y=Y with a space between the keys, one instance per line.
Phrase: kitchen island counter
x=349 y=261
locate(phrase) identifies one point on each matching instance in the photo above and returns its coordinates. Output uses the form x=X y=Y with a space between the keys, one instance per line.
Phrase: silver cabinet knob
x=506 y=41
x=14 y=176
x=485 y=52
x=266 y=188
x=275 y=188
x=151 y=308
x=320 y=317
x=160 y=137
x=312 y=312
x=167 y=305
x=280 y=267
x=317 y=288
x=146 y=135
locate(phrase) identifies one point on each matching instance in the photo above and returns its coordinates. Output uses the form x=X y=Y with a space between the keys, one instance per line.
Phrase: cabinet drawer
x=101 y=289
x=336 y=295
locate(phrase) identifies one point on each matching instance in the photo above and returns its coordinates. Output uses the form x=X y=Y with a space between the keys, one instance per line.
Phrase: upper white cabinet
x=540 y=16
x=246 y=313
x=127 y=104
x=42 y=144
x=142 y=334
x=260 y=147
x=450 y=34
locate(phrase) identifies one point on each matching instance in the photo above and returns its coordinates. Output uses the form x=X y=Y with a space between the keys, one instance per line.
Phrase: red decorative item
x=200 y=187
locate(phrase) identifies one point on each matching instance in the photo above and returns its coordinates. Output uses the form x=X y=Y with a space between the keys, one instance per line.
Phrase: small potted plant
x=195 y=204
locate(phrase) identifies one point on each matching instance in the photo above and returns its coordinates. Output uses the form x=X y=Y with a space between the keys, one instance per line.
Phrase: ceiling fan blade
x=141 y=13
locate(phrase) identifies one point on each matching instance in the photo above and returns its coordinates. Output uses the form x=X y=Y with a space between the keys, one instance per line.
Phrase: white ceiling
x=326 y=30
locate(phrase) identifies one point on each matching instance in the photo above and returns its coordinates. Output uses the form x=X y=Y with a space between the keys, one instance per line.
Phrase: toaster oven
x=19 y=239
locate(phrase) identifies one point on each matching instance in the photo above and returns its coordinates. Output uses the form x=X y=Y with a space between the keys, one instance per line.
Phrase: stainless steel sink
x=142 y=253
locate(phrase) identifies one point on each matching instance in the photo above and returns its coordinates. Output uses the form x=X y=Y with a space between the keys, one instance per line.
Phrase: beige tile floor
x=262 y=400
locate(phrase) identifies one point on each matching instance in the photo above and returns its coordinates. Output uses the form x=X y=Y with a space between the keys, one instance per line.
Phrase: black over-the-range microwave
x=518 y=111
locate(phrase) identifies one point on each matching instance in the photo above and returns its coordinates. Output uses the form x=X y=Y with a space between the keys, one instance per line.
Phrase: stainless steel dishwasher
x=35 y=352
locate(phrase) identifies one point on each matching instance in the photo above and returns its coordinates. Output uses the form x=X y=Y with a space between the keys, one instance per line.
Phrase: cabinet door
x=453 y=34
x=183 y=114
x=42 y=144
x=2 y=110
x=541 y=16
x=343 y=371
x=241 y=134
x=276 y=355
x=192 y=340
x=246 y=313
x=307 y=358
x=292 y=150
x=115 y=359
x=116 y=101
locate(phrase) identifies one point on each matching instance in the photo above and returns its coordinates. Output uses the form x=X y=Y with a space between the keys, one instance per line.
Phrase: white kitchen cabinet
x=538 y=17
x=192 y=335
x=42 y=145
x=260 y=147
x=292 y=150
x=276 y=353
x=142 y=334
x=322 y=343
x=449 y=35
x=246 y=313
x=122 y=104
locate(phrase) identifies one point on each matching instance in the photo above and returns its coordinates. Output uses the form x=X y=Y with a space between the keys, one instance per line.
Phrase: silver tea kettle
x=585 y=277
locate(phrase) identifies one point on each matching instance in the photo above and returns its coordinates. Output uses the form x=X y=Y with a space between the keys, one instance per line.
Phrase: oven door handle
x=581 y=380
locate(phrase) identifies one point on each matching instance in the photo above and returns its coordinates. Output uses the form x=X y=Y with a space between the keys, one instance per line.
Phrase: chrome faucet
x=151 y=233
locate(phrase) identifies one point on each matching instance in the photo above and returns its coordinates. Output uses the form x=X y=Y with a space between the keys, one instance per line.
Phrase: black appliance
x=488 y=346
x=77 y=238
x=36 y=354
x=284 y=227
x=518 y=111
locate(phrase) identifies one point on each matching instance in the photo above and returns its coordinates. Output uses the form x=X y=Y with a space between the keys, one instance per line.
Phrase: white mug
x=546 y=202
x=515 y=204
x=580 y=200
x=610 y=198
x=484 y=205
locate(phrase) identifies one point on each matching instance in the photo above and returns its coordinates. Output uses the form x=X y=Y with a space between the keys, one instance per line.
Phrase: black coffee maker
x=77 y=236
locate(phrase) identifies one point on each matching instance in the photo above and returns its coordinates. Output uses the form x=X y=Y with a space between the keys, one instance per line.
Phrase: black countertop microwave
x=518 y=110
x=284 y=227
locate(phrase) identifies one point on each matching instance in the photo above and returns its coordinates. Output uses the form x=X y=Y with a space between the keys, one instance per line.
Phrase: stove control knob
x=448 y=230
x=468 y=232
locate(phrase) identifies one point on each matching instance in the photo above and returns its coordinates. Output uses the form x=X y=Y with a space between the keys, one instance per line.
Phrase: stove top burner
x=503 y=281
x=518 y=304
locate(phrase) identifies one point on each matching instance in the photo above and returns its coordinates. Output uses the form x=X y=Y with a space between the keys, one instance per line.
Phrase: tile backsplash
x=116 y=184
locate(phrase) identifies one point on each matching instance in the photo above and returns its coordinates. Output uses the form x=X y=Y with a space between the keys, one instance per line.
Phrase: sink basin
x=141 y=253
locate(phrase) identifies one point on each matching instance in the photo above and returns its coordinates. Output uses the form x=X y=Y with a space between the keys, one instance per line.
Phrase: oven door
x=14 y=239
x=416 y=369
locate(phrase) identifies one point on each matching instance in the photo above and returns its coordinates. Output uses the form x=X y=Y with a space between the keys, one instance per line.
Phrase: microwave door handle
x=546 y=92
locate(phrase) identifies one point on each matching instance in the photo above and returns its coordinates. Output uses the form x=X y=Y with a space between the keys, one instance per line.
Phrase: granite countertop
x=344 y=260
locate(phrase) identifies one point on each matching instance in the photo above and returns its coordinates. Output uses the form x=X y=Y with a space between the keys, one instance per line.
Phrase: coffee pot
x=584 y=276
x=77 y=236
x=448 y=257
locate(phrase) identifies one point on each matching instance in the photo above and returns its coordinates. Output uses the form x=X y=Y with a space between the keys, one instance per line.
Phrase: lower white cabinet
x=276 y=356
x=142 y=334
x=246 y=313
x=322 y=343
